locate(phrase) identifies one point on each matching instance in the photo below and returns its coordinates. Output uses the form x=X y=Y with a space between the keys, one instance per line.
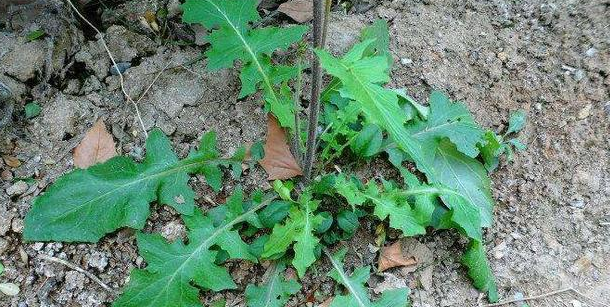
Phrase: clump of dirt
x=551 y=59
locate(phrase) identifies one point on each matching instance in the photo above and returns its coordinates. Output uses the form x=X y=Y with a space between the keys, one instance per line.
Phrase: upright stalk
x=297 y=149
x=319 y=24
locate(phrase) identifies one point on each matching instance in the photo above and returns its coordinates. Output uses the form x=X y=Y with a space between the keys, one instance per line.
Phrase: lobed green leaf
x=232 y=39
x=172 y=267
x=275 y=292
x=357 y=295
x=86 y=204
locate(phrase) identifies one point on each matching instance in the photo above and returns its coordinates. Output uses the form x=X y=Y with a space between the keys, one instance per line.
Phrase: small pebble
x=591 y=52
x=17 y=189
x=585 y=112
x=576 y=303
x=607 y=108
x=406 y=61
x=122 y=67
x=538 y=106
x=503 y=56
x=6 y=175
x=579 y=75
x=98 y=260
x=577 y=204
x=17 y=225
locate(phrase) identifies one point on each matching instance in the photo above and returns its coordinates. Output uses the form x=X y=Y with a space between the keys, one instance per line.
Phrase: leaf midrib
x=426 y=168
x=210 y=241
x=346 y=282
x=165 y=172
x=255 y=60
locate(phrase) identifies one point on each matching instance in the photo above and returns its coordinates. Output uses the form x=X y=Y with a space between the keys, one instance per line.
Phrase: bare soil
x=549 y=58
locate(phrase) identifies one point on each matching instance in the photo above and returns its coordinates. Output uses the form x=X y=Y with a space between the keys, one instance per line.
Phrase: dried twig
x=77 y=268
x=122 y=79
x=536 y=297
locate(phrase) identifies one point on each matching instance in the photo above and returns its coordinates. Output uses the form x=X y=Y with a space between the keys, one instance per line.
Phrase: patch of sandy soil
x=549 y=58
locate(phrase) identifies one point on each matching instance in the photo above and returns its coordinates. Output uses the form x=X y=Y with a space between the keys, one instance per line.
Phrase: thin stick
x=122 y=79
x=316 y=85
x=153 y=82
x=76 y=268
x=531 y=298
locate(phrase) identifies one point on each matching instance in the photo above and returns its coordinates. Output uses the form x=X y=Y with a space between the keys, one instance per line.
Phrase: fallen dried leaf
x=299 y=10
x=11 y=161
x=391 y=257
x=97 y=146
x=279 y=163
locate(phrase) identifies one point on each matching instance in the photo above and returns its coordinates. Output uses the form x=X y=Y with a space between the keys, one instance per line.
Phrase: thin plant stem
x=316 y=85
x=327 y=8
x=296 y=137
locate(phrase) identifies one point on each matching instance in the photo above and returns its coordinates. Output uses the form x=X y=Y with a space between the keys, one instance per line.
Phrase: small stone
x=516 y=235
x=538 y=106
x=6 y=175
x=173 y=230
x=579 y=75
x=74 y=280
x=373 y=249
x=518 y=296
x=499 y=250
x=17 y=225
x=577 y=204
x=591 y=52
x=38 y=246
x=98 y=260
x=406 y=61
x=585 y=112
x=503 y=56
x=17 y=189
x=120 y=68
x=607 y=108
x=575 y=303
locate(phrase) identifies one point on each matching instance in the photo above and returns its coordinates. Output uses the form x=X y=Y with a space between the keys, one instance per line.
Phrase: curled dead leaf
x=391 y=257
x=96 y=147
x=299 y=10
x=279 y=163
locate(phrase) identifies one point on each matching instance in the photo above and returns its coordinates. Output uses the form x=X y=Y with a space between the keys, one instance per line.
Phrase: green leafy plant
x=233 y=39
x=275 y=292
x=442 y=155
x=120 y=190
x=356 y=291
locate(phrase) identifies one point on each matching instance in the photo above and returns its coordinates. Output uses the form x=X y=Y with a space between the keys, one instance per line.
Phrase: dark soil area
x=549 y=58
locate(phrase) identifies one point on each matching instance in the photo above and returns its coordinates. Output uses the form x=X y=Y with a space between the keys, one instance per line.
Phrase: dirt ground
x=549 y=58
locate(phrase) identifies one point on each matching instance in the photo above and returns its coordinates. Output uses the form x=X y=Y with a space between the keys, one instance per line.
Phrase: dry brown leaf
x=11 y=161
x=96 y=147
x=391 y=257
x=279 y=163
x=299 y=10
